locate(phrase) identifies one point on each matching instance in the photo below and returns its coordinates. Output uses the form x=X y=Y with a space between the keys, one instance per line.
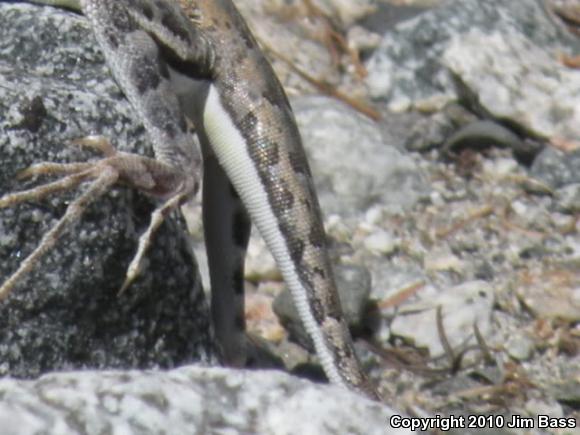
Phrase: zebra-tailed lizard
x=198 y=62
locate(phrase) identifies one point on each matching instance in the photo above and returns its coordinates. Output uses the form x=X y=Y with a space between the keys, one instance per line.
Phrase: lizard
x=196 y=62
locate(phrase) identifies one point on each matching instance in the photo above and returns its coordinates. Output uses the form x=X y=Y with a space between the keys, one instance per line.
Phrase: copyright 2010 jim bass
x=515 y=421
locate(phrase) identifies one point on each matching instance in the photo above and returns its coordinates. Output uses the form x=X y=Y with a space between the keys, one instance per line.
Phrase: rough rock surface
x=462 y=308
x=513 y=78
x=407 y=69
x=480 y=219
x=189 y=400
x=351 y=177
x=67 y=314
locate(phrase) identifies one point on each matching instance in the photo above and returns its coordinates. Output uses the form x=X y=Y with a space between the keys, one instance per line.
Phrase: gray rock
x=407 y=70
x=567 y=393
x=189 y=400
x=54 y=87
x=569 y=198
x=538 y=407
x=548 y=296
x=520 y=347
x=557 y=168
x=355 y=284
x=390 y=14
x=354 y=165
x=513 y=78
x=381 y=242
x=387 y=278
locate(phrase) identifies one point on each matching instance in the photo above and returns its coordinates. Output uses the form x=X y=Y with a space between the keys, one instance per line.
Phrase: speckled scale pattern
x=255 y=99
x=216 y=45
x=131 y=34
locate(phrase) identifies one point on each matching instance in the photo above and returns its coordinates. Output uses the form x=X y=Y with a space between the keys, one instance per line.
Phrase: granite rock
x=54 y=88
x=189 y=400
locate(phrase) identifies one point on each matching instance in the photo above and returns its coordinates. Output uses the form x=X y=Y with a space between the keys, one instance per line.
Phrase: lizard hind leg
x=143 y=173
x=157 y=218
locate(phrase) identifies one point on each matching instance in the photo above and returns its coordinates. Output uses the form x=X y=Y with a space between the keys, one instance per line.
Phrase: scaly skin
x=205 y=66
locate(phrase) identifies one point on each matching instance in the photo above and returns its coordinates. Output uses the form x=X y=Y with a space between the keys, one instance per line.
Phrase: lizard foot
x=146 y=174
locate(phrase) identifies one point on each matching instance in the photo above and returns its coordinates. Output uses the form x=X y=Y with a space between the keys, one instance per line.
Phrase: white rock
x=353 y=167
x=462 y=307
x=516 y=79
x=381 y=242
x=519 y=347
x=186 y=401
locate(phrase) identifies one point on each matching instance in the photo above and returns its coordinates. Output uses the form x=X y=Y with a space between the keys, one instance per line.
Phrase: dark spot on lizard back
x=162 y=6
x=211 y=29
x=317 y=308
x=249 y=121
x=162 y=116
x=268 y=154
x=320 y=272
x=147 y=11
x=144 y=7
x=307 y=204
x=112 y=37
x=248 y=40
x=346 y=351
x=120 y=18
x=265 y=152
x=272 y=89
x=273 y=99
x=145 y=74
x=240 y=57
x=229 y=86
x=170 y=129
x=298 y=162
x=296 y=247
x=333 y=306
x=173 y=22
x=283 y=197
x=317 y=237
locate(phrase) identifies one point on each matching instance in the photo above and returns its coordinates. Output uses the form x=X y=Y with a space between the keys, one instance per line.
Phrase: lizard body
x=200 y=63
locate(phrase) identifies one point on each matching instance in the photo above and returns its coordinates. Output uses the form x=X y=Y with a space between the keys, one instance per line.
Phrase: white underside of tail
x=231 y=149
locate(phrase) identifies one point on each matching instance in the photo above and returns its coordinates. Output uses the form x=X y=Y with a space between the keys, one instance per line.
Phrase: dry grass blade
x=327 y=88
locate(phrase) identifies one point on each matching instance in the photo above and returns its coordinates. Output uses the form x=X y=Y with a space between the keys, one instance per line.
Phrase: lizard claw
x=99 y=143
x=146 y=174
x=49 y=168
x=157 y=218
